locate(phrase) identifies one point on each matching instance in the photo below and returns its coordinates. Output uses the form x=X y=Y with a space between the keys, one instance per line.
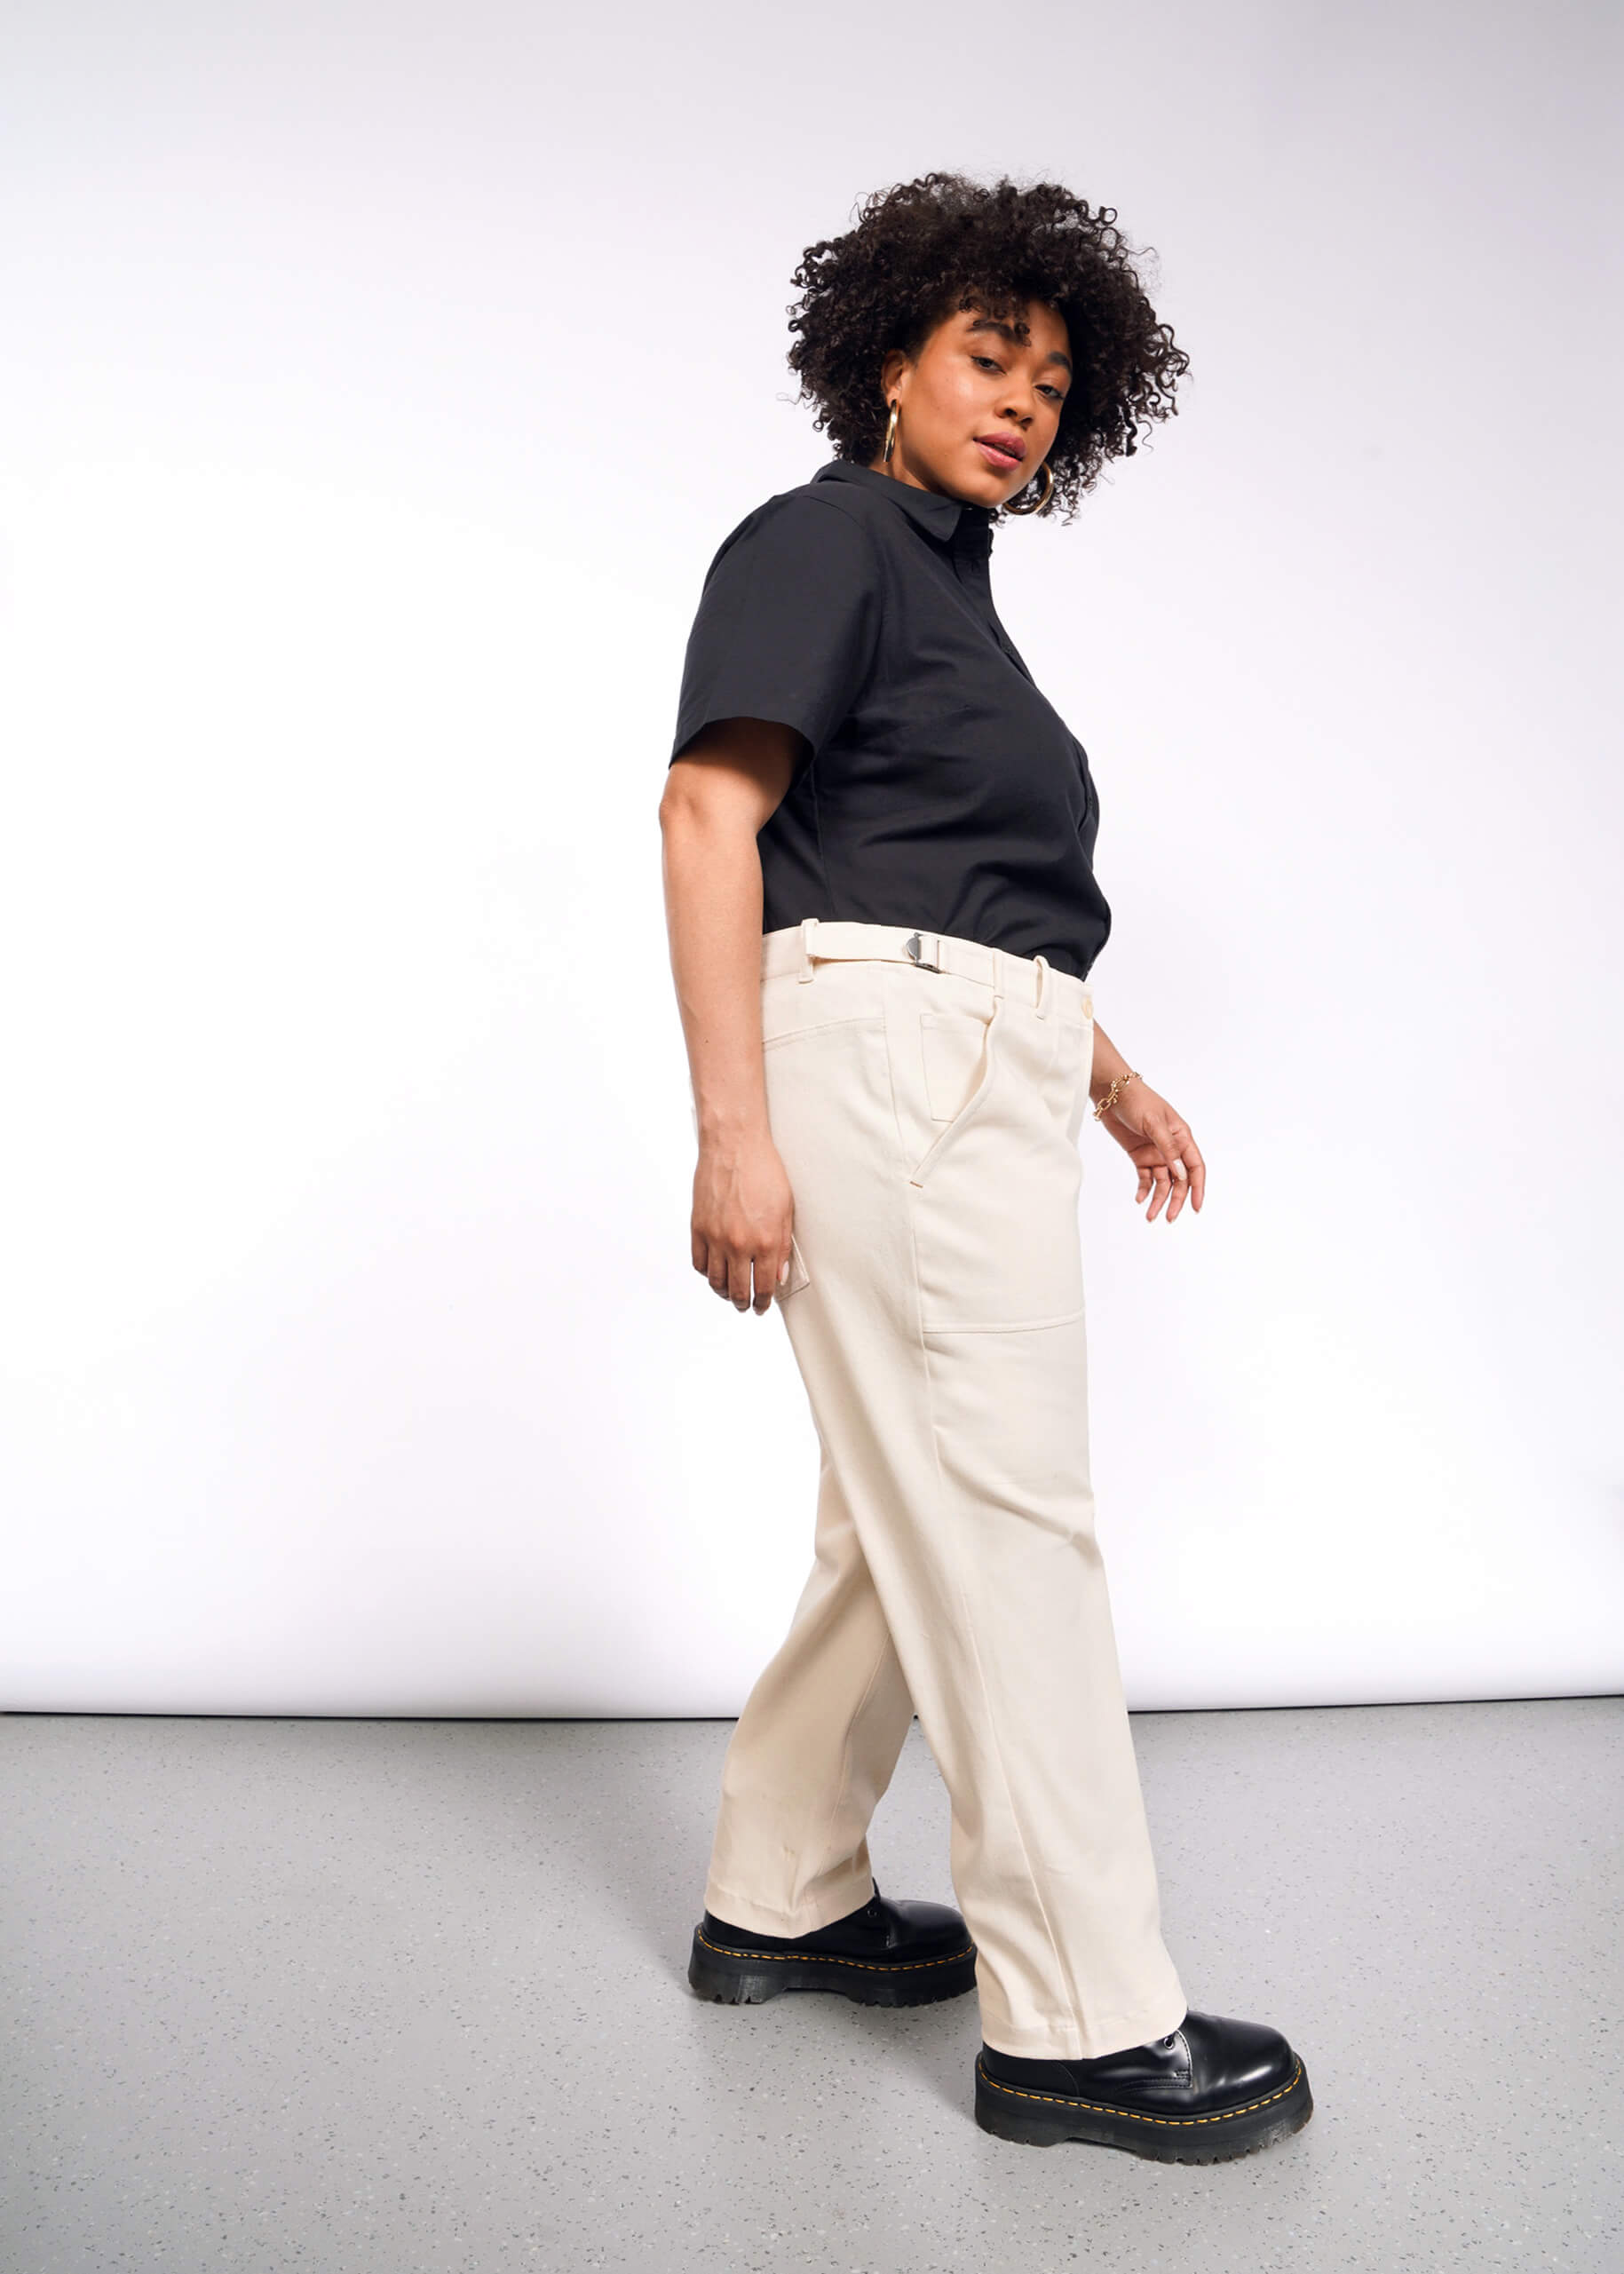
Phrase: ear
x=893 y=371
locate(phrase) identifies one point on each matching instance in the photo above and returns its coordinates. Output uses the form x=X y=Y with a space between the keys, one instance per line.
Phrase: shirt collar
x=935 y=512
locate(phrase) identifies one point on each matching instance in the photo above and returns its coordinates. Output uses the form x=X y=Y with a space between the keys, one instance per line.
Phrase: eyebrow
x=992 y=324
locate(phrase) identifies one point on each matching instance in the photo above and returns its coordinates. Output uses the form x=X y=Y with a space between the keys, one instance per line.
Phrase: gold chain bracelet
x=1110 y=1098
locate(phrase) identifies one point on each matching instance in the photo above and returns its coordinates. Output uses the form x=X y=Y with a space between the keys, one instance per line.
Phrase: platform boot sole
x=1038 y=2120
x=748 y=1978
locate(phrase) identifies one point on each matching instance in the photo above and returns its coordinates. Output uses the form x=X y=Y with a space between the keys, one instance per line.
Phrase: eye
x=988 y=362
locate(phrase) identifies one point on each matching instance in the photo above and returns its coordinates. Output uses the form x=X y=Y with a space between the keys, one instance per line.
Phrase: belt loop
x=809 y=926
x=1042 y=993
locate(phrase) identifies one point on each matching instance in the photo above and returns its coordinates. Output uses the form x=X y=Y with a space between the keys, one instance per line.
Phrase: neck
x=900 y=469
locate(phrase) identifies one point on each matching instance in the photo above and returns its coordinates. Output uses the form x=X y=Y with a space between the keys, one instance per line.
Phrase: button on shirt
x=938 y=787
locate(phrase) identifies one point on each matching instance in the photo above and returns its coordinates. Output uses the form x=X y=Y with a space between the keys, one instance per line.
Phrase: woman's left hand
x=1158 y=1141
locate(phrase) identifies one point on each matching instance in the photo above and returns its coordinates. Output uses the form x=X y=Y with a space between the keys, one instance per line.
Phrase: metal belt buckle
x=915 y=949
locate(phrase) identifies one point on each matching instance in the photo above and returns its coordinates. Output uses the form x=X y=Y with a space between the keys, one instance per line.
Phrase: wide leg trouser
x=929 y=1120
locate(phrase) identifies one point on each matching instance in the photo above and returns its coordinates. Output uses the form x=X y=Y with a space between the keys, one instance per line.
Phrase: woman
x=882 y=914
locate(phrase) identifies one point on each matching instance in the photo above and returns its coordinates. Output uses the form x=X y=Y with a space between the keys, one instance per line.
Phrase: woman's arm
x=719 y=793
x=1155 y=1138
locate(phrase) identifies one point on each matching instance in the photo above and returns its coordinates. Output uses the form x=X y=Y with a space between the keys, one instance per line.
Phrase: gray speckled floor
x=399 y=1997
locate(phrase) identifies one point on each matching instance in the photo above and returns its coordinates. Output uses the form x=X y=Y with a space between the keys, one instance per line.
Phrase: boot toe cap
x=924 y=1924
x=1232 y=2058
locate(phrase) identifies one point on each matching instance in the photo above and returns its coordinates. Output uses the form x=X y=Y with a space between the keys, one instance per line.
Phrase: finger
x=1163 y=1183
x=1190 y=1169
x=767 y=1277
x=738 y=1279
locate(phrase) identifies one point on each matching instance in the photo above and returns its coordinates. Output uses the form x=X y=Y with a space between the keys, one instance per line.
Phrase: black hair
x=924 y=249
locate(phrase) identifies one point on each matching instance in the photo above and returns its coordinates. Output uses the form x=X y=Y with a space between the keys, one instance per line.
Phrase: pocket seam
x=823 y=1027
x=1001 y=1326
x=933 y=1022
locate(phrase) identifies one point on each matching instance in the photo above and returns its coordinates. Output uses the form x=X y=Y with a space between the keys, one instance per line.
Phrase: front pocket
x=953 y=1044
x=993 y=1197
x=1073 y=1069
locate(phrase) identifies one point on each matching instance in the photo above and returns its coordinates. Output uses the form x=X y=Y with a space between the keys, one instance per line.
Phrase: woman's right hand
x=743 y=1213
x=721 y=790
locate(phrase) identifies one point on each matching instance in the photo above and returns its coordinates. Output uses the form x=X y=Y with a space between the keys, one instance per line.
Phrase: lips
x=1004 y=445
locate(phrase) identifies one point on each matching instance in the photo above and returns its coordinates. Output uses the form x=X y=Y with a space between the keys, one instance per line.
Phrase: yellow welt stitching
x=1113 y=2108
x=833 y=1957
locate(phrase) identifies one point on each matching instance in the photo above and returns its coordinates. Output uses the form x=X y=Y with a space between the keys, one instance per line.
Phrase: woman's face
x=978 y=409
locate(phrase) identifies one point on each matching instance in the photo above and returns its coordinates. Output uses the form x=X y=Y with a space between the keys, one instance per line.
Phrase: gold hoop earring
x=891 y=430
x=1038 y=505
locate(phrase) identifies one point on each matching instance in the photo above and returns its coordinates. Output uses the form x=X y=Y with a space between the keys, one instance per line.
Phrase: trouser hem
x=1114 y=2034
x=741 y=1910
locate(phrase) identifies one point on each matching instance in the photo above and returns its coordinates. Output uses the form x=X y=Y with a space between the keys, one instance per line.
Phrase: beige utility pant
x=926 y=1094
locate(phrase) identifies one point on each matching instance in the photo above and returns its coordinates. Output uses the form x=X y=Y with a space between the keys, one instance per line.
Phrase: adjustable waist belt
x=1025 y=978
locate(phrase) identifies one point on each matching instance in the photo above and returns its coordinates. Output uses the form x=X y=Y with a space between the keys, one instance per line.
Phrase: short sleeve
x=788 y=622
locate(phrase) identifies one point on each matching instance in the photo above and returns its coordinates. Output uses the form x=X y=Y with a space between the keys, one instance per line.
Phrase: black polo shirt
x=939 y=787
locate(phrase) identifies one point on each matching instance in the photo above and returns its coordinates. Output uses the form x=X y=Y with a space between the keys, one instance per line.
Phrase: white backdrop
x=380 y=380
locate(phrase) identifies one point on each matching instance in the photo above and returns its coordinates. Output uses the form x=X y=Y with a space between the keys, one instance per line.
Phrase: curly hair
x=924 y=249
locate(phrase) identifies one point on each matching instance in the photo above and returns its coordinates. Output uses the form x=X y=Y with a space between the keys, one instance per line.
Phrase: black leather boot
x=886 y=1953
x=1210 y=2088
